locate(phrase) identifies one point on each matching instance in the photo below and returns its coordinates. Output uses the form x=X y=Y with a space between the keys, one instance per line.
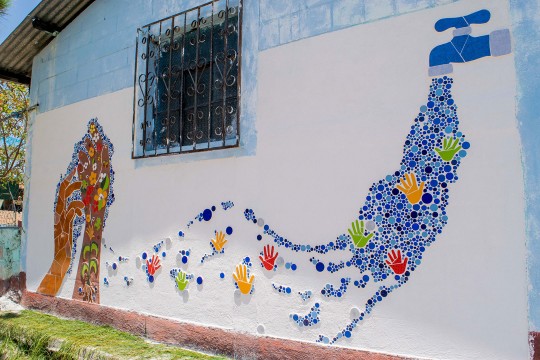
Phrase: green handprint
x=450 y=148
x=357 y=234
x=181 y=281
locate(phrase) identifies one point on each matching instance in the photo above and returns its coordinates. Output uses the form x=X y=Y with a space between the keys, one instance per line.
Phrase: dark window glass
x=187 y=80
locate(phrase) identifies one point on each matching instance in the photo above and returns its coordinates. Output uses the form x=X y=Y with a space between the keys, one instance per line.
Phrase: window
x=187 y=81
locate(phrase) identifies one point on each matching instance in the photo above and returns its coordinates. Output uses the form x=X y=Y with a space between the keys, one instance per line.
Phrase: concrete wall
x=329 y=95
x=10 y=245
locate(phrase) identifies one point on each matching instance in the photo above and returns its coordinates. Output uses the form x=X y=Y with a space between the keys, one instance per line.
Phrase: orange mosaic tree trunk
x=64 y=216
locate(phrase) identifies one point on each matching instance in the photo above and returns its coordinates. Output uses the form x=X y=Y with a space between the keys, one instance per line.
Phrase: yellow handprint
x=410 y=188
x=241 y=279
x=219 y=242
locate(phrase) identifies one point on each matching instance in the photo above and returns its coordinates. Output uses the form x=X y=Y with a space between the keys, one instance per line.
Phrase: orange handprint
x=410 y=188
x=219 y=242
x=241 y=279
x=63 y=235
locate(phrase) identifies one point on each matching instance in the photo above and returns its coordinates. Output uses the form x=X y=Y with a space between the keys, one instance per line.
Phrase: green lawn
x=29 y=334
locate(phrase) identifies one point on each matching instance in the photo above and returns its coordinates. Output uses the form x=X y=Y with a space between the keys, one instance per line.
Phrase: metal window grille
x=187 y=81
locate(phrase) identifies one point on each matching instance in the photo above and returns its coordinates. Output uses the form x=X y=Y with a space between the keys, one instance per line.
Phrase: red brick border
x=534 y=343
x=208 y=339
x=16 y=283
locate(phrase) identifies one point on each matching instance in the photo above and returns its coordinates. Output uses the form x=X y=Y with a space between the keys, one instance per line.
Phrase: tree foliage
x=13 y=121
x=3 y=6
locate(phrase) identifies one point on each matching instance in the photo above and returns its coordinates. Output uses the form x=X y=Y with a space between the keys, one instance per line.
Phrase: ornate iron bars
x=187 y=81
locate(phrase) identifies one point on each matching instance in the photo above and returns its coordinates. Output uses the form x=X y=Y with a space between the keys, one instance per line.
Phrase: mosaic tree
x=83 y=197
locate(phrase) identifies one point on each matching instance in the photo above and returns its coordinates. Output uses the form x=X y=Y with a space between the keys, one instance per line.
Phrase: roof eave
x=25 y=42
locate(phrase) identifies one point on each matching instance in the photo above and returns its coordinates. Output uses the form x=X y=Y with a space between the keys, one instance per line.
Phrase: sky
x=16 y=13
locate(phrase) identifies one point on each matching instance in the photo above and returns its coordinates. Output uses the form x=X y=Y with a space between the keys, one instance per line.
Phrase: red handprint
x=396 y=263
x=153 y=265
x=269 y=257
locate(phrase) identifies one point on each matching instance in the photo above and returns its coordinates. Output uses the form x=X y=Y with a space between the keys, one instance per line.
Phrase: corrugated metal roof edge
x=25 y=26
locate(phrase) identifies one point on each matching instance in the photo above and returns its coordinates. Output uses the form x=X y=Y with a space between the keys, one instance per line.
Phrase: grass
x=30 y=335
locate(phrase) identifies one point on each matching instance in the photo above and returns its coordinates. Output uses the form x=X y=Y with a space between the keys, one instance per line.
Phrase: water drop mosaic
x=403 y=212
x=305 y=295
x=312 y=318
x=226 y=205
x=184 y=255
x=282 y=289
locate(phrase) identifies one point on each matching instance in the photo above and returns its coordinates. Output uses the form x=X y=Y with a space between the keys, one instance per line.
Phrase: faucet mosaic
x=463 y=47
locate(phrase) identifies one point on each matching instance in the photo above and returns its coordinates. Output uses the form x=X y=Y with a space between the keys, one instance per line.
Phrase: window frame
x=146 y=82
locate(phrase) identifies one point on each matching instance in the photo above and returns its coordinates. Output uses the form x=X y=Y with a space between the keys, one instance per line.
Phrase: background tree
x=14 y=103
x=3 y=6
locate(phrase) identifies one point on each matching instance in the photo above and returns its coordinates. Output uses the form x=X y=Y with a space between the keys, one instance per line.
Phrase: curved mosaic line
x=312 y=318
x=330 y=291
x=282 y=289
x=305 y=295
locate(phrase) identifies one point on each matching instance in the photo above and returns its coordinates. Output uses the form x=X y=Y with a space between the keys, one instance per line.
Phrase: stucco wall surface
x=326 y=116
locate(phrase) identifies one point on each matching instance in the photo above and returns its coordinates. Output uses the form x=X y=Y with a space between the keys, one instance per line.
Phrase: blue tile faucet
x=464 y=47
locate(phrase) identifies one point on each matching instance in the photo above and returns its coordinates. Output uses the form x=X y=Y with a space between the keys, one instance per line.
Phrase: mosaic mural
x=83 y=198
x=400 y=218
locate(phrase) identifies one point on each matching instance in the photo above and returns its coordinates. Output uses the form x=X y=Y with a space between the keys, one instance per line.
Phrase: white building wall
x=329 y=117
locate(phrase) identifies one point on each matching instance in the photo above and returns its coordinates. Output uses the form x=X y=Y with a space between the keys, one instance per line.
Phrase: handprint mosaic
x=151 y=266
x=181 y=278
x=217 y=244
x=268 y=258
x=243 y=278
